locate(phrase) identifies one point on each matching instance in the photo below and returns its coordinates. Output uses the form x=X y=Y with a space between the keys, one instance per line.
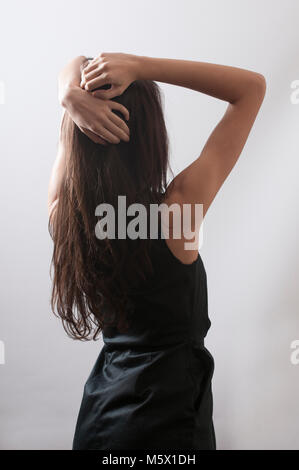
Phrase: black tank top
x=150 y=387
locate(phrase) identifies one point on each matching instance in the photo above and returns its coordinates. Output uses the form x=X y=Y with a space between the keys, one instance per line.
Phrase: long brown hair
x=92 y=277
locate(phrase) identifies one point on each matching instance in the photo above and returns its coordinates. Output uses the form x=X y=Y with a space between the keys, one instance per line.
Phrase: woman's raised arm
x=242 y=89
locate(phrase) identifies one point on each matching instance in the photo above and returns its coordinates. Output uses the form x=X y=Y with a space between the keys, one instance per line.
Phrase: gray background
x=250 y=246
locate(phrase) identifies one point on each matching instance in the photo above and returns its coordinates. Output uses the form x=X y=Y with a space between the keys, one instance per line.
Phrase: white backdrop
x=250 y=247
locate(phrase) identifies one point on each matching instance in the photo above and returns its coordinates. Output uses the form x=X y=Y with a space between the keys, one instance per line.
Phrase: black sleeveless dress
x=151 y=387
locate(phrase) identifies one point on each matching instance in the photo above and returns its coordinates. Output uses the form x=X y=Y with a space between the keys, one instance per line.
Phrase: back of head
x=92 y=276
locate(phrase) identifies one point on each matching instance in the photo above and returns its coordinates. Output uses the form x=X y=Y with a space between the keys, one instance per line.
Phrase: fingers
x=94 y=72
x=119 y=123
x=89 y=74
x=107 y=133
x=108 y=94
x=96 y=82
x=115 y=124
x=94 y=137
x=116 y=130
x=105 y=124
x=104 y=138
x=109 y=136
x=120 y=107
x=91 y=66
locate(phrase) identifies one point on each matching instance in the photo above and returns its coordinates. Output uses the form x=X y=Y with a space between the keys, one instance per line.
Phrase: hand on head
x=114 y=68
x=97 y=120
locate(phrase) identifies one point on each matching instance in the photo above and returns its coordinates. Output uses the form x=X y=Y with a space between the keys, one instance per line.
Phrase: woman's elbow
x=258 y=86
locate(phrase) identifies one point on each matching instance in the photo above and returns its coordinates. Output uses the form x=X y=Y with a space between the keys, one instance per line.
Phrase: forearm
x=226 y=83
x=70 y=76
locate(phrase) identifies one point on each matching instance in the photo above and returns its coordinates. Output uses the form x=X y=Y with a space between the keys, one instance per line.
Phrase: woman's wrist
x=144 y=67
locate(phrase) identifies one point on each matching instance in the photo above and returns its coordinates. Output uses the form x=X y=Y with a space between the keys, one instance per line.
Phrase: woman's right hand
x=95 y=116
x=114 y=68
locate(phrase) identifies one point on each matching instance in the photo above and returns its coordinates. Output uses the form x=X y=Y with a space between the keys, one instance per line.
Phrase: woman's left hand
x=95 y=117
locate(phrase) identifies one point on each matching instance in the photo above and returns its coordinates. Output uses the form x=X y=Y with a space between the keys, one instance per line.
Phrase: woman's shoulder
x=179 y=226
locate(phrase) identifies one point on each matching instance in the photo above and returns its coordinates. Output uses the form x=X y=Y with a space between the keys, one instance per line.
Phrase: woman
x=150 y=387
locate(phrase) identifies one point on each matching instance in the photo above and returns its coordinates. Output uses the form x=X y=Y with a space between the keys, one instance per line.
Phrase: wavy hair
x=92 y=278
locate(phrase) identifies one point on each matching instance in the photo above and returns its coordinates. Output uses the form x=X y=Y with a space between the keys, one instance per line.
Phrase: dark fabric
x=151 y=387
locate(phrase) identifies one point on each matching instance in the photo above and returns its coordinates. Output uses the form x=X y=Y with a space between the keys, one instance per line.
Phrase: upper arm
x=57 y=172
x=51 y=207
x=200 y=181
x=56 y=179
